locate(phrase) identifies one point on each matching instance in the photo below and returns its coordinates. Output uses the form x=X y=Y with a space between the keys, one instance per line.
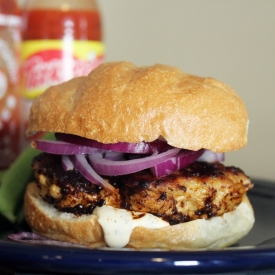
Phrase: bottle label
x=50 y=62
x=10 y=38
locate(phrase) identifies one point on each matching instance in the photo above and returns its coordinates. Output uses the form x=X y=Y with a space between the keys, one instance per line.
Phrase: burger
x=137 y=161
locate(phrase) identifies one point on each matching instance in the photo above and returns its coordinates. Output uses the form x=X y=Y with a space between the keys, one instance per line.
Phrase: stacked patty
x=201 y=190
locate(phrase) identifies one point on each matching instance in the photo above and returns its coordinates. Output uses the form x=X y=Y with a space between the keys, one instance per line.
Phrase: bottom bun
x=216 y=232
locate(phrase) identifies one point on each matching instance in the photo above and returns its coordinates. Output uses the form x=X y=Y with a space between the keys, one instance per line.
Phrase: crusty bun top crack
x=119 y=101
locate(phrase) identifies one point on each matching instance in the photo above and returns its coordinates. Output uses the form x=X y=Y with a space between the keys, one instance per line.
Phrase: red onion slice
x=110 y=159
x=124 y=147
x=179 y=161
x=114 y=168
x=29 y=237
x=62 y=148
x=66 y=163
x=114 y=156
x=82 y=165
x=210 y=156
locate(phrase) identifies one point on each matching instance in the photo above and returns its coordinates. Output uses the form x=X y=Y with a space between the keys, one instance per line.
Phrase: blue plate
x=255 y=252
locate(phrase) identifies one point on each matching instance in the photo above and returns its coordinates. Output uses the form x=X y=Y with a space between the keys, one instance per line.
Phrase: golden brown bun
x=44 y=219
x=217 y=232
x=119 y=101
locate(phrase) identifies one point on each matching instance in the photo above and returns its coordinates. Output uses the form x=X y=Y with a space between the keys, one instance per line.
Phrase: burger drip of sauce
x=118 y=224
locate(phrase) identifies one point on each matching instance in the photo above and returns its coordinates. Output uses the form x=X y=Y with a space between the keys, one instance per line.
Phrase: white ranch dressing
x=118 y=224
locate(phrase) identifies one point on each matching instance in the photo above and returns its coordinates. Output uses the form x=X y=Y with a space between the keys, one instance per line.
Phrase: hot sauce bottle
x=62 y=39
x=9 y=82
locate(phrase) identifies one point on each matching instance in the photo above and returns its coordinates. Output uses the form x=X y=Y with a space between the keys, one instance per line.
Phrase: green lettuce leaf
x=14 y=182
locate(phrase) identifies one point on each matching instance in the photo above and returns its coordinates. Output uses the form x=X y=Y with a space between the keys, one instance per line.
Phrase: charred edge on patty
x=201 y=190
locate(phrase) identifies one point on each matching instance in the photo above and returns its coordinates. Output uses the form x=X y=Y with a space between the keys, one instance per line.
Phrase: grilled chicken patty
x=200 y=190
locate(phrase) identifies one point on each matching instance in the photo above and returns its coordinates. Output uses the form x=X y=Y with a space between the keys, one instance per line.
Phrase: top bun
x=119 y=101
